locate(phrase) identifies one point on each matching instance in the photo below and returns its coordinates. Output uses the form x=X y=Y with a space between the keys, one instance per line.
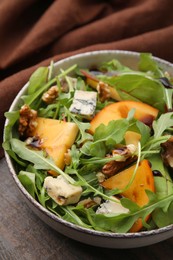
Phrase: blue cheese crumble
x=84 y=103
x=61 y=191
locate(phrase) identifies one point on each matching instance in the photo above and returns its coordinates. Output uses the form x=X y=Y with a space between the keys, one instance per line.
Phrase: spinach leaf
x=148 y=64
x=38 y=79
x=28 y=181
x=33 y=183
x=8 y=134
x=141 y=88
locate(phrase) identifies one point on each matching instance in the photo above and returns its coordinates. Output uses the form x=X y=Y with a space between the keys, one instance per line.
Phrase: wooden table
x=24 y=236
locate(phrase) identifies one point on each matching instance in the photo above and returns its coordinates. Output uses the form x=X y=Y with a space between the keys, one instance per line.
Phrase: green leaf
x=106 y=136
x=37 y=158
x=71 y=216
x=28 y=181
x=47 y=112
x=75 y=157
x=162 y=123
x=157 y=164
x=31 y=98
x=9 y=132
x=83 y=127
x=12 y=117
x=123 y=222
x=168 y=98
x=162 y=218
x=38 y=79
x=148 y=64
x=163 y=187
x=114 y=65
x=141 y=88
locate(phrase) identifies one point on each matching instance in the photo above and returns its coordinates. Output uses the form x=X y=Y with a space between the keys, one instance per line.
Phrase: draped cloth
x=34 y=32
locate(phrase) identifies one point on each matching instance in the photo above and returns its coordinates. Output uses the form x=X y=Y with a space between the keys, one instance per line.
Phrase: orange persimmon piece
x=56 y=138
x=144 y=180
x=143 y=112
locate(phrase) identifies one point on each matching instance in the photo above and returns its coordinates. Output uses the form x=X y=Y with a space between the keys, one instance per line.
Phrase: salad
x=94 y=145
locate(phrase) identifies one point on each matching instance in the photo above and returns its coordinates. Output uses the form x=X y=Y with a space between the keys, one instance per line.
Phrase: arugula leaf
x=157 y=164
x=37 y=158
x=106 y=136
x=114 y=65
x=162 y=218
x=168 y=98
x=71 y=216
x=141 y=128
x=162 y=123
x=83 y=127
x=123 y=222
x=47 y=112
x=31 y=182
x=30 y=98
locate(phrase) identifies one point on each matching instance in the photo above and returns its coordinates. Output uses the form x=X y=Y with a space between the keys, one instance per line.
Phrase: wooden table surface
x=24 y=236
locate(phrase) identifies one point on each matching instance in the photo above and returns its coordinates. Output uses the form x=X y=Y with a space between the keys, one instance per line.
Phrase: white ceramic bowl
x=94 y=238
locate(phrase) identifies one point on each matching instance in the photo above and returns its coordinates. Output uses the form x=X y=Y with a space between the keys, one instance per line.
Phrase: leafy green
x=30 y=98
x=33 y=183
x=36 y=157
x=28 y=181
x=37 y=79
x=147 y=64
x=164 y=121
x=114 y=66
x=105 y=137
x=123 y=222
x=83 y=127
x=89 y=152
x=141 y=88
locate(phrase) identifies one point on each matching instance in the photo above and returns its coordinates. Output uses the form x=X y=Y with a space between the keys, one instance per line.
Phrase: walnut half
x=103 y=91
x=123 y=155
x=50 y=95
x=27 y=121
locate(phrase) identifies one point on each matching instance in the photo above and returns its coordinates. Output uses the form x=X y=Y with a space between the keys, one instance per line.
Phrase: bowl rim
x=46 y=211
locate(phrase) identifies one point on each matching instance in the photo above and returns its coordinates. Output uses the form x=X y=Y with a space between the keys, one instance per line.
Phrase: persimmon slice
x=144 y=180
x=143 y=112
x=56 y=138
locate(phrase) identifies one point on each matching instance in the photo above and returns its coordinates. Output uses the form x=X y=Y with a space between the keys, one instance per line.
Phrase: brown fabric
x=34 y=32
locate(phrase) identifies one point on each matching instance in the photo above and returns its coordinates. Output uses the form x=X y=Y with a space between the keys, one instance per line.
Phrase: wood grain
x=24 y=236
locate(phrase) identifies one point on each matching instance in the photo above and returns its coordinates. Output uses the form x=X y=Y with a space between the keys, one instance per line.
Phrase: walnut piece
x=27 y=121
x=67 y=157
x=167 y=152
x=113 y=167
x=124 y=156
x=103 y=91
x=88 y=203
x=50 y=95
